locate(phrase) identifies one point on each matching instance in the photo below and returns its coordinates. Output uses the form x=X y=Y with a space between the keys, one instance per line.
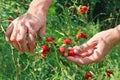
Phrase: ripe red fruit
x=10 y=19
x=45 y=48
x=87 y=76
x=109 y=73
x=50 y=39
x=83 y=35
x=78 y=36
x=67 y=41
x=82 y=11
x=62 y=50
x=84 y=8
x=71 y=52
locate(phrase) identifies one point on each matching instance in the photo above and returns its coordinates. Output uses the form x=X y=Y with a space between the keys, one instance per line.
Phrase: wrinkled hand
x=21 y=33
x=91 y=51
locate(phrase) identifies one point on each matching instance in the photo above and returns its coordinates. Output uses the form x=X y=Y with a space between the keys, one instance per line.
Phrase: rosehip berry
x=84 y=8
x=10 y=19
x=78 y=36
x=67 y=41
x=71 y=52
x=82 y=11
x=109 y=73
x=62 y=50
x=50 y=39
x=45 y=48
x=83 y=35
x=87 y=76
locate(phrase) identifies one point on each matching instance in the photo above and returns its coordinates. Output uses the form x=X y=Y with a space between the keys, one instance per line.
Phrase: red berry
x=10 y=19
x=45 y=48
x=62 y=50
x=78 y=36
x=71 y=52
x=82 y=11
x=84 y=8
x=87 y=76
x=67 y=41
x=50 y=39
x=109 y=73
x=83 y=35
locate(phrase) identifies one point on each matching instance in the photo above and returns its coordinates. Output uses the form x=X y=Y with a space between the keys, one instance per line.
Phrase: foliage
x=63 y=21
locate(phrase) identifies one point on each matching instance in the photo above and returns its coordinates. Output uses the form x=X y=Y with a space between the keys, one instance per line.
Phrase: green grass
x=16 y=66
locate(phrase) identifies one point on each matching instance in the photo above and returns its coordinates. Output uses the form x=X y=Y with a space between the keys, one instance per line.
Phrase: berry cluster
x=83 y=10
x=62 y=49
x=90 y=74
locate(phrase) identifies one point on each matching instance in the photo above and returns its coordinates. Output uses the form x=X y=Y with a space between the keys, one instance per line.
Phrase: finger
x=14 y=33
x=15 y=45
x=22 y=32
x=42 y=30
x=9 y=31
x=79 y=60
x=21 y=38
x=70 y=48
x=23 y=47
x=13 y=37
x=77 y=49
x=31 y=42
x=87 y=53
x=85 y=47
x=92 y=44
x=31 y=37
x=86 y=60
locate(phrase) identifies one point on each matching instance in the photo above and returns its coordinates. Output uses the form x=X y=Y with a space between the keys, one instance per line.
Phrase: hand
x=21 y=33
x=91 y=52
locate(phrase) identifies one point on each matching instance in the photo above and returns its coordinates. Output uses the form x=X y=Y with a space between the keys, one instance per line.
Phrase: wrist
x=114 y=37
x=111 y=37
x=39 y=7
x=117 y=29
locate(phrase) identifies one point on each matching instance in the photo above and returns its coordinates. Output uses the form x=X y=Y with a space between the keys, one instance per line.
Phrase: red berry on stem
x=62 y=50
x=78 y=36
x=87 y=76
x=67 y=41
x=50 y=39
x=109 y=73
x=83 y=35
x=82 y=11
x=85 y=8
x=10 y=19
x=71 y=52
x=45 y=48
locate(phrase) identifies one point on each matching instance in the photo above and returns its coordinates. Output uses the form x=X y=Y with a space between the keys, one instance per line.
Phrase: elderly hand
x=21 y=33
x=90 y=52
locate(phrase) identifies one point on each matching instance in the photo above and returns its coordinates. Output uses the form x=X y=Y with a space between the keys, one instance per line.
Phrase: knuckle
x=19 y=39
x=12 y=39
